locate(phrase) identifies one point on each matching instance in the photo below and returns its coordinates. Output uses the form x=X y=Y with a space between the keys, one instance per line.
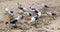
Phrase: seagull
x=34 y=9
x=10 y=12
x=44 y=5
x=39 y=13
x=21 y=7
x=34 y=18
x=51 y=14
x=14 y=20
x=27 y=13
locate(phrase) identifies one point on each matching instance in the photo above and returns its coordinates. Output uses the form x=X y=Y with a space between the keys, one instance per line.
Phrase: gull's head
x=43 y=4
x=6 y=9
x=11 y=12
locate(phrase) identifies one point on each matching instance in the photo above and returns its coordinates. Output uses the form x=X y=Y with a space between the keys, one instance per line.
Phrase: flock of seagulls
x=23 y=10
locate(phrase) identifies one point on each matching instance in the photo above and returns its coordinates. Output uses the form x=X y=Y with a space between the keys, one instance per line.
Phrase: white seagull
x=27 y=13
x=34 y=18
x=34 y=9
x=44 y=5
x=51 y=14
x=14 y=20
x=21 y=7
x=10 y=12
x=39 y=14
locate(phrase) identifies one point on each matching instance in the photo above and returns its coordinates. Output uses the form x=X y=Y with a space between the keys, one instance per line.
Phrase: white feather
x=43 y=4
x=26 y=13
x=20 y=11
x=33 y=18
x=24 y=8
x=49 y=14
x=39 y=14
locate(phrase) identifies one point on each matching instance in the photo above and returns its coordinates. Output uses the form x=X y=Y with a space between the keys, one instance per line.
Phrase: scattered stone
x=52 y=28
x=58 y=28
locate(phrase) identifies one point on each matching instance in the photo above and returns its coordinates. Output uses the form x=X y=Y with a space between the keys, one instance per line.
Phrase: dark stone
x=15 y=26
x=58 y=28
x=6 y=23
x=52 y=28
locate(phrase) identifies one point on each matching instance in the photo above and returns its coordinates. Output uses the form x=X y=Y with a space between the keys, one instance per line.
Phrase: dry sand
x=53 y=25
